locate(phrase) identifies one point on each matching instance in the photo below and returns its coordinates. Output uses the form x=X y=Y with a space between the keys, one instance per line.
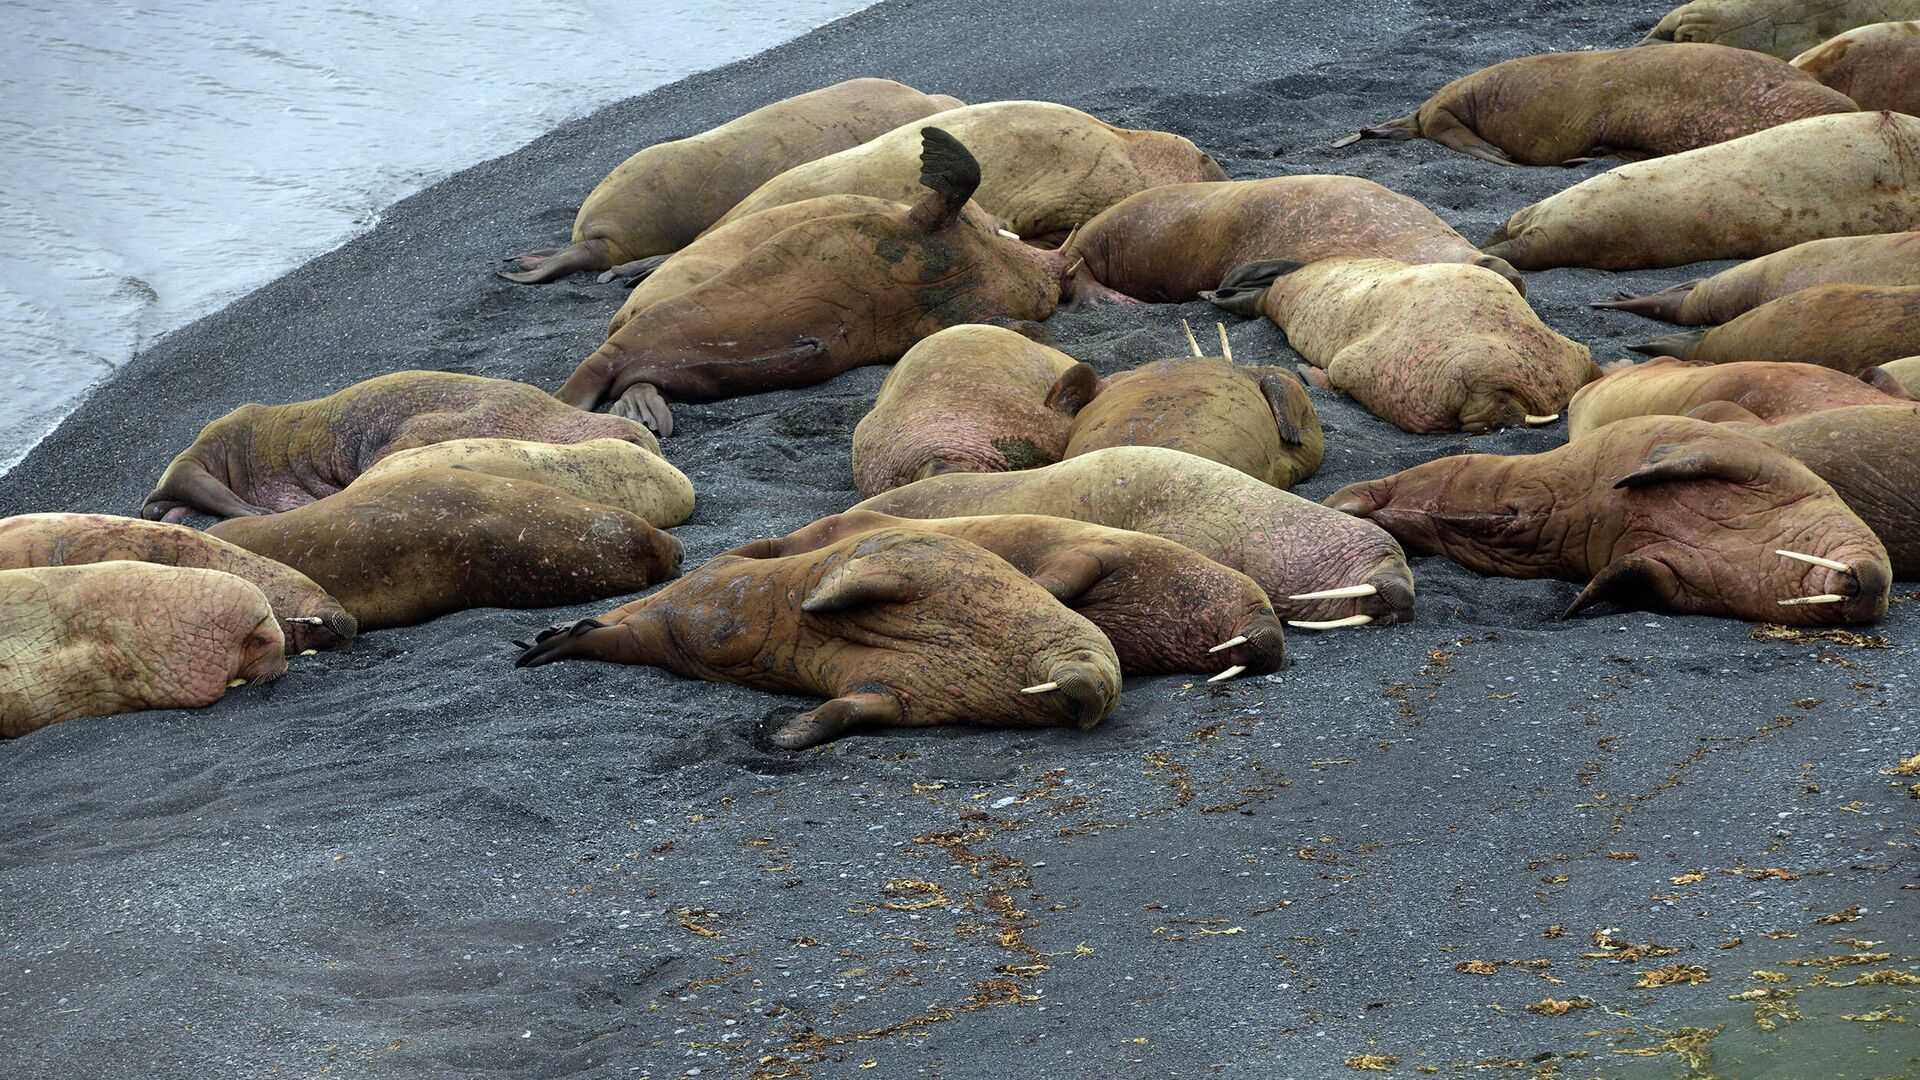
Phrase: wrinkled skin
x=414 y=545
x=1850 y=328
x=659 y=199
x=1662 y=513
x=263 y=459
x=1879 y=259
x=1766 y=390
x=1430 y=349
x=1871 y=456
x=1258 y=420
x=969 y=399
x=1045 y=168
x=114 y=637
x=1843 y=175
x=1174 y=243
x=609 y=472
x=1782 y=28
x=822 y=297
x=1878 y=66
x=308 y=617
x=1902 y=376
x=1572 y=107
x=1285 y=543
x=899 y=627
x=1163 y=605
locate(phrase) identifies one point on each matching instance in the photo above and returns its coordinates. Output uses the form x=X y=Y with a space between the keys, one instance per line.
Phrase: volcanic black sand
x=410 y=859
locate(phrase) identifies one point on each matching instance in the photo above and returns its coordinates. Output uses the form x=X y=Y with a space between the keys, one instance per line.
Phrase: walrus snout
x=1263 y=645
x=1082 y=688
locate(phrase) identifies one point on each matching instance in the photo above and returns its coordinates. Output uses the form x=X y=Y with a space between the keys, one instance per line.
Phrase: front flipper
x=1069 y=574
x=1285 y=395
x=1075 y=387
x=642 y=402
x=836 y=718
x=188 y=486
x=1449 y=132
x=861 y=582
x=1632 y=581
x=1670 y=463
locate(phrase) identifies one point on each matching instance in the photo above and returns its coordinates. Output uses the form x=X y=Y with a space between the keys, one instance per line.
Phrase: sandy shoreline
x=410 y=859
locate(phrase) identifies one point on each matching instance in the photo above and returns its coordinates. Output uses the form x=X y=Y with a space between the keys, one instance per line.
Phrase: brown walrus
x=1764 y=389
x=1878 y=65
x=1440 y=347
x=308 y=617
x=822 y=297
x=1573 y=107
x=969 y=399
x=1850 y=328
x=1173 y=243
x=662 y=197
x=897 y=626
x=113 y=637
x=1662 y=512
x=262 y=459
x=1782 y=28
x=411 y=546
x=1321 y=570
x=1841 y=175
x=1165 y=607
x=1878 y=259
x=1897 y=377
x=609 y=472
x=1044 y=167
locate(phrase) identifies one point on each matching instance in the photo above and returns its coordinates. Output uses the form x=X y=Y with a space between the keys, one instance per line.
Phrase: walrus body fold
x=1871 y=456
x=1877 y=259
x=1782 y=28
x=1765 y=390
x=1877 y=65
x=1850 y=328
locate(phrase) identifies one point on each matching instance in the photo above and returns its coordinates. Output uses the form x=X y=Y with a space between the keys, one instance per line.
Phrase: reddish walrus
x=1850 y=328
x=899 y=626
x=662 y=197
x=1666 y=513
x=1878 y=259
x=1165 y=607
x=308 y=617
x=1174 y=243
x=969 y=399
x=1321 y=569
x=1766 y=389
x=262 y=459
x=113 y=637
x=1434 y=348
x=403 y=548
x=822 y=297
x=1878 y=66
x=1843 y=175
x=1573 y=107
x=1782 y=28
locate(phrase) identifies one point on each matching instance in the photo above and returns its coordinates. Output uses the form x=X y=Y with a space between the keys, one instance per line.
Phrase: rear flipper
x=635 y=272
x=1679 y=346
x=836 y=718
x=1245 y=286
x=1406 y=127
x=539 y=267
x=585 y=639
x=642 y=402
x=1665 y=304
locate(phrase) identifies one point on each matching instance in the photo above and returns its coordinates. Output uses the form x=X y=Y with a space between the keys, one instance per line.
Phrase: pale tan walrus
x=1850 y=328
x=1782 y=28
x=1878 y=66
x=610 y=472
x=1878 y=259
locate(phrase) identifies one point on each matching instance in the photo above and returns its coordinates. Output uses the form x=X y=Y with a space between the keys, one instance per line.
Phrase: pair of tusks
x=1226 y=350
x=1821 y=598
x=1345 y=592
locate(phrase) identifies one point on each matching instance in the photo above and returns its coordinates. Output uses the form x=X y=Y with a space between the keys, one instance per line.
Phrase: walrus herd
x=1033 y=531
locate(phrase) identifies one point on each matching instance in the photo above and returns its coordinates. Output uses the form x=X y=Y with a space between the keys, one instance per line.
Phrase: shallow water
x=158 y=160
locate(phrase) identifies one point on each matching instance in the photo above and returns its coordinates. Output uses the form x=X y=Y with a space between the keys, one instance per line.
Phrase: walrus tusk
x=1229 y=673
x=1341 y=593
x=231 y=683
x=1823 y=598
x=1229 y=643
x=1226 y=350
x=1008 y=233
x=1041 y=689
x=1351 y=620
x=1831 y=564
x=1536 y=421
x=310 y=620
x=309 y=652
x=1191 y=341
x=1077 y=264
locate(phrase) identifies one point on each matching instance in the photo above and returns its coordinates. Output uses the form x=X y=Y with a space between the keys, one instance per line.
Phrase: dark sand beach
x=411 y=859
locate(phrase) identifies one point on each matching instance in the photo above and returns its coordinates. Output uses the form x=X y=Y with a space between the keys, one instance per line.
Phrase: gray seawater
x=159 y=159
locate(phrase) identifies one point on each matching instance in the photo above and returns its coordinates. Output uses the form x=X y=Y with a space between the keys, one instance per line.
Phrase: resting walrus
x=400 y=549
x=1165 y=607
x=1878 y=65
x=1850 y=328
x=1663 y=512
x=1767 y=389
x=1572 y=107
x=1320 y=569
x=1782 y=28
x=609 y=472
x=262 y=459
x=308 y=617
x=897 y=626
x=1877 y=259
x=1440 y=347
x=662 y=197
x=1841 y=175
x=1897 y=377
x=113 y=637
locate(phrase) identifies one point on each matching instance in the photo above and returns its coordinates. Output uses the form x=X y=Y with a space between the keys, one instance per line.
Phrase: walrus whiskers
x=1229 y=643
x=1226 y=350
x=1831 y=564
x=1229 y=673
x=1335 y=624
x=1823 y=598
x=1191 y=340
x=1043 y=688
x=1341 y=593
x=1536 y=421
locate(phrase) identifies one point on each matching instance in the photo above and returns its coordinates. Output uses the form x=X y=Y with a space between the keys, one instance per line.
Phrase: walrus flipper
x=1273 y=387
x=539 y=267
x=1679 y=346
x=1449 y=132
x=635 y=272
x=859 y=583
x=1079 y=385
x=643 y=402
x=1240 y=291
x=836 y=718
x=1661 y=466
x=1405 y=127
x=562 y=642
x=188 y=486
x=1664 y=305
x=950 y=173
x=1629 y=581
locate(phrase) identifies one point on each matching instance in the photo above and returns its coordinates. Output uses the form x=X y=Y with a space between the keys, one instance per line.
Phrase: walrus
x=1257 y=419
x=1165 y=607
x=662 y=197
x=897 y=626
x=969 y=399
x=114 y=637
x=822 y=297
x=309 y=618
x=262 y=459
x=1432 y=348
x=1850 y=328
x=1044 y=167
x=1570 y=108
x=1173 y=243
x=1876 y=259
x=411 y=546
x=1897 y=377
x=1766 y=389
x=1877 y=65
x=609 y=472
x=1660 y=512
x=1841 y=175
x=1321 y=570
x=1782 y=28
